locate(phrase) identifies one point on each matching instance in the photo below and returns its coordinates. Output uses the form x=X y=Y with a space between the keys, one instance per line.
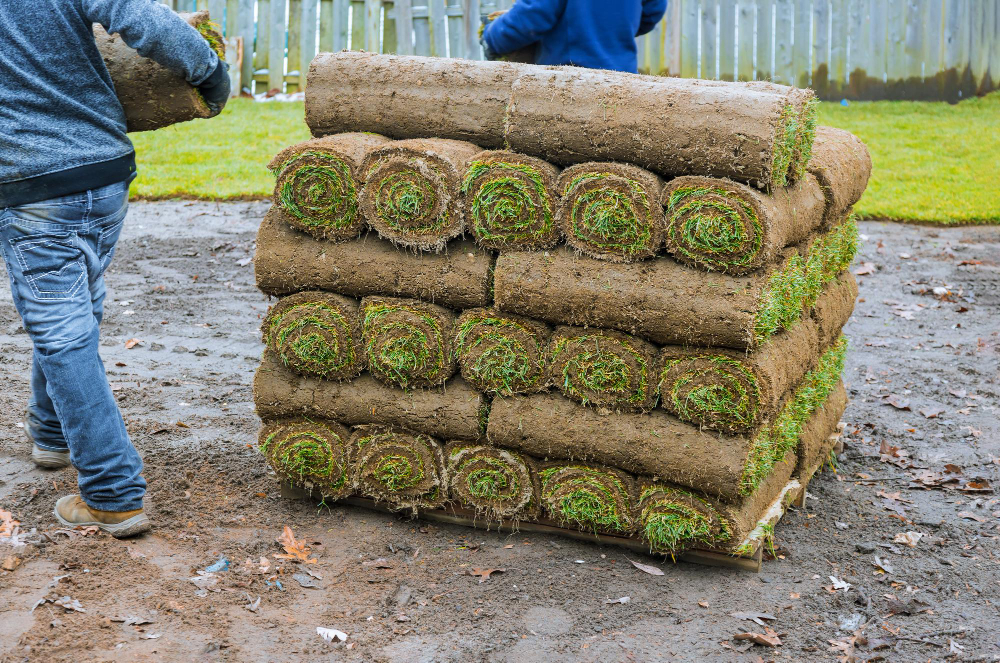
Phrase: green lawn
x=934 y=162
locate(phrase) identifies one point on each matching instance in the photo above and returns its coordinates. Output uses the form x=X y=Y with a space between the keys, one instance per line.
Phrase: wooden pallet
x=747 y=556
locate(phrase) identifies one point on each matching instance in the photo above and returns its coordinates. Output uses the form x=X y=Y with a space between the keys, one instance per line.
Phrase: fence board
x=404 y=27
x=745 y=18
x=764 y=64
x=979 y=45
x=438 y=28
x=276 y=46
x=388 y=32
x=470 y=26
x=995 y=50
x=859 y=39
x=372 y=19
x=801 y=47
x=839 y=37
x=690 y=14
x=709 y=43
x=784 y=71
x=309 y=44
x=243 y=26
x=727 y=40
x=294 y=57
x=263 y=42
x=821 y=46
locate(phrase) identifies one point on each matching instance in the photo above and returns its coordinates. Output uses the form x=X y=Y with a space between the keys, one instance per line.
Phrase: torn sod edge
x=496 y=325
x=776 y=439
x=637 y=397
x=734 y=236
x=478 y=169
x=634 y=238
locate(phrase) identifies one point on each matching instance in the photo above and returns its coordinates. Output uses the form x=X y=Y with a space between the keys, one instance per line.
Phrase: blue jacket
x=599 y=34
x=62 y=129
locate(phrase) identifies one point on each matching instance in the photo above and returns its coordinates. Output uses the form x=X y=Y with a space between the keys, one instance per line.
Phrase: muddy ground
x=923 y=379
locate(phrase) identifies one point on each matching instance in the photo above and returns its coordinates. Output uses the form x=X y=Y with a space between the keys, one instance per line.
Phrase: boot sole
x=126 y=528
x=50 y=460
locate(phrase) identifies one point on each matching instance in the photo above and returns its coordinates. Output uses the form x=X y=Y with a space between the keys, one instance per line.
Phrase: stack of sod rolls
x=636 y=336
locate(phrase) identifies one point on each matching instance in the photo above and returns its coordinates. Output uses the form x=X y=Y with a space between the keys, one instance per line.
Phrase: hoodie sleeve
x=523 y=24
x=157 y=33
x=652 y=12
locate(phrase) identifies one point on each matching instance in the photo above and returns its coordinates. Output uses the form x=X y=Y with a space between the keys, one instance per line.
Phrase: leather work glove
x=485 y=21
x=215 y=89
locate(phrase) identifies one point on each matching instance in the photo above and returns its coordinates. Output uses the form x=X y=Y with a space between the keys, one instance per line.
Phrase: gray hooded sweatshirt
x=62 y=130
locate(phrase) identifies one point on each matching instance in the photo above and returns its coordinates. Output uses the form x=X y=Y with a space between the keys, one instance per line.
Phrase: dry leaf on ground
x=131 y=343
x=769 y=638
x=909 y=538
x=646 y=568
x=294 y=550
x=484 y=574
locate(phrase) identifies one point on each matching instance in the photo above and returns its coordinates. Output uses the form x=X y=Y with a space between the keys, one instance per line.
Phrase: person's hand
x=215 y=89
x=485 y=21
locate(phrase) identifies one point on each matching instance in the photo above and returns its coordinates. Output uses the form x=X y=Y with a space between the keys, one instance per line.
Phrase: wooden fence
x=855 y=49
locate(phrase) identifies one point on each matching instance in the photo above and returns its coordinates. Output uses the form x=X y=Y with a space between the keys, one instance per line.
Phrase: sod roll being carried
x=411 y=191
x=672 y=126
x=842 y=164
x=409 y=96
x=660 y=445
x=603 y=368
x=309 y=453
x=495 y=483
x=316 y=333
x=734 y=391
x=288 y=261
x=453 y=412
x=611 y=211
x=403 y=469
x=501 y=353
x=510 y=200
x=317 y=183
x=669 y=303
x=587 y=497
x=151 y=95
x=407 y=342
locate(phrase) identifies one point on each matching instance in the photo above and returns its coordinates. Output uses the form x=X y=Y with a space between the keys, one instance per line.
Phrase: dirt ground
x=923 y=442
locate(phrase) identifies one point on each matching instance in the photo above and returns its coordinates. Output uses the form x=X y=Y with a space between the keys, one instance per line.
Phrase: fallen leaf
x=294 y=550
x=931 y=411
x=131 y=343
x=71 y=605
x=976 y=486
x=331 y=634
x=909 y=538
x=970 y=262
x=881 y=565
x=646 y=568
x=7 y=524
x=951 y=468
x=754 y=616
x=838 y=584
x=968 y=515
x=484 y=574
x=10 y=562
x=769 y=638
x=865 y=268
x=897 y=402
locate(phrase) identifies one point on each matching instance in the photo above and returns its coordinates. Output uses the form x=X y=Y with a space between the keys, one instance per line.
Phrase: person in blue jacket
x=598 y=34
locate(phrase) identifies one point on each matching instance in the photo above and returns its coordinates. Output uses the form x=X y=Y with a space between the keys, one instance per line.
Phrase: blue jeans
x=56 y=252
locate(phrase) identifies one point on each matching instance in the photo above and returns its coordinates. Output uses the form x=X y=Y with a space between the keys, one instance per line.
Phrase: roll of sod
x=509 y=201
x=606 y=369
x=842 y=164
x=454 y=412
x=151 y=95
x=814 y=451
x=317 y=183
x=805 y=105
x=672 y=519
x=411 y=188
x=408 y=343
x=316 y=333
x=501 y=353
x=658 y=444
x=310 y=454
x=735 y=391
x=568 y=115
x=495 y=483
x=611 y=211
x=725 y=226
x=669 y=303
x=401 y=468
x=288 y=261
x=588 y=497
x=409 y=96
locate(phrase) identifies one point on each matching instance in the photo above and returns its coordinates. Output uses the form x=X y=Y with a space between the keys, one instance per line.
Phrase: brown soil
x=288 y=261
x=588 y=366
x=351 y=149
x=481 y=338
x=432 y=167
x=153 y=96
x=842 y=164
x=388 y=322
x=776 y=366
x=534 y=226
x=579 y=204
x=409 y=96
x=451 y=412
x=671 y=126
x=786 y=216
x=814 y=448
x=339 y=327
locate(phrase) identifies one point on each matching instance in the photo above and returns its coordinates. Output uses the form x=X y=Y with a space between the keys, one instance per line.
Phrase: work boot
x=72 y=511
x=52 y=460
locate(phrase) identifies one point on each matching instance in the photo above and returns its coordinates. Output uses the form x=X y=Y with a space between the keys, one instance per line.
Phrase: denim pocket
x=53 y=266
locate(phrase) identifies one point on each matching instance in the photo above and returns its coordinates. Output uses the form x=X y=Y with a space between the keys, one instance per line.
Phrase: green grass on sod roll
x=795 y=287
x=403 y=344
x=785 y=140
x=777 y=439
x=494 y=482
x=398 y=467
x=671 y=520
x=589 y=498
x=601 y=365
x=404 y=196
x=804 y=144
x=718 y=235
x=504 y=209
x=733 y=397
x=319 y=190
x=510 y=358
x=314 y=338
x=308 y=452
x=609 y=219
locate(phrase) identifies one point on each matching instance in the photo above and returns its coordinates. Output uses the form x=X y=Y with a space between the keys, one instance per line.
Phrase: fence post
x=276 y=47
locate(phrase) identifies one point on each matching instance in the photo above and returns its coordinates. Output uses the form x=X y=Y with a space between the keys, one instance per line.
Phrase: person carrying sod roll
x=65 y=168
x=596 y=34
